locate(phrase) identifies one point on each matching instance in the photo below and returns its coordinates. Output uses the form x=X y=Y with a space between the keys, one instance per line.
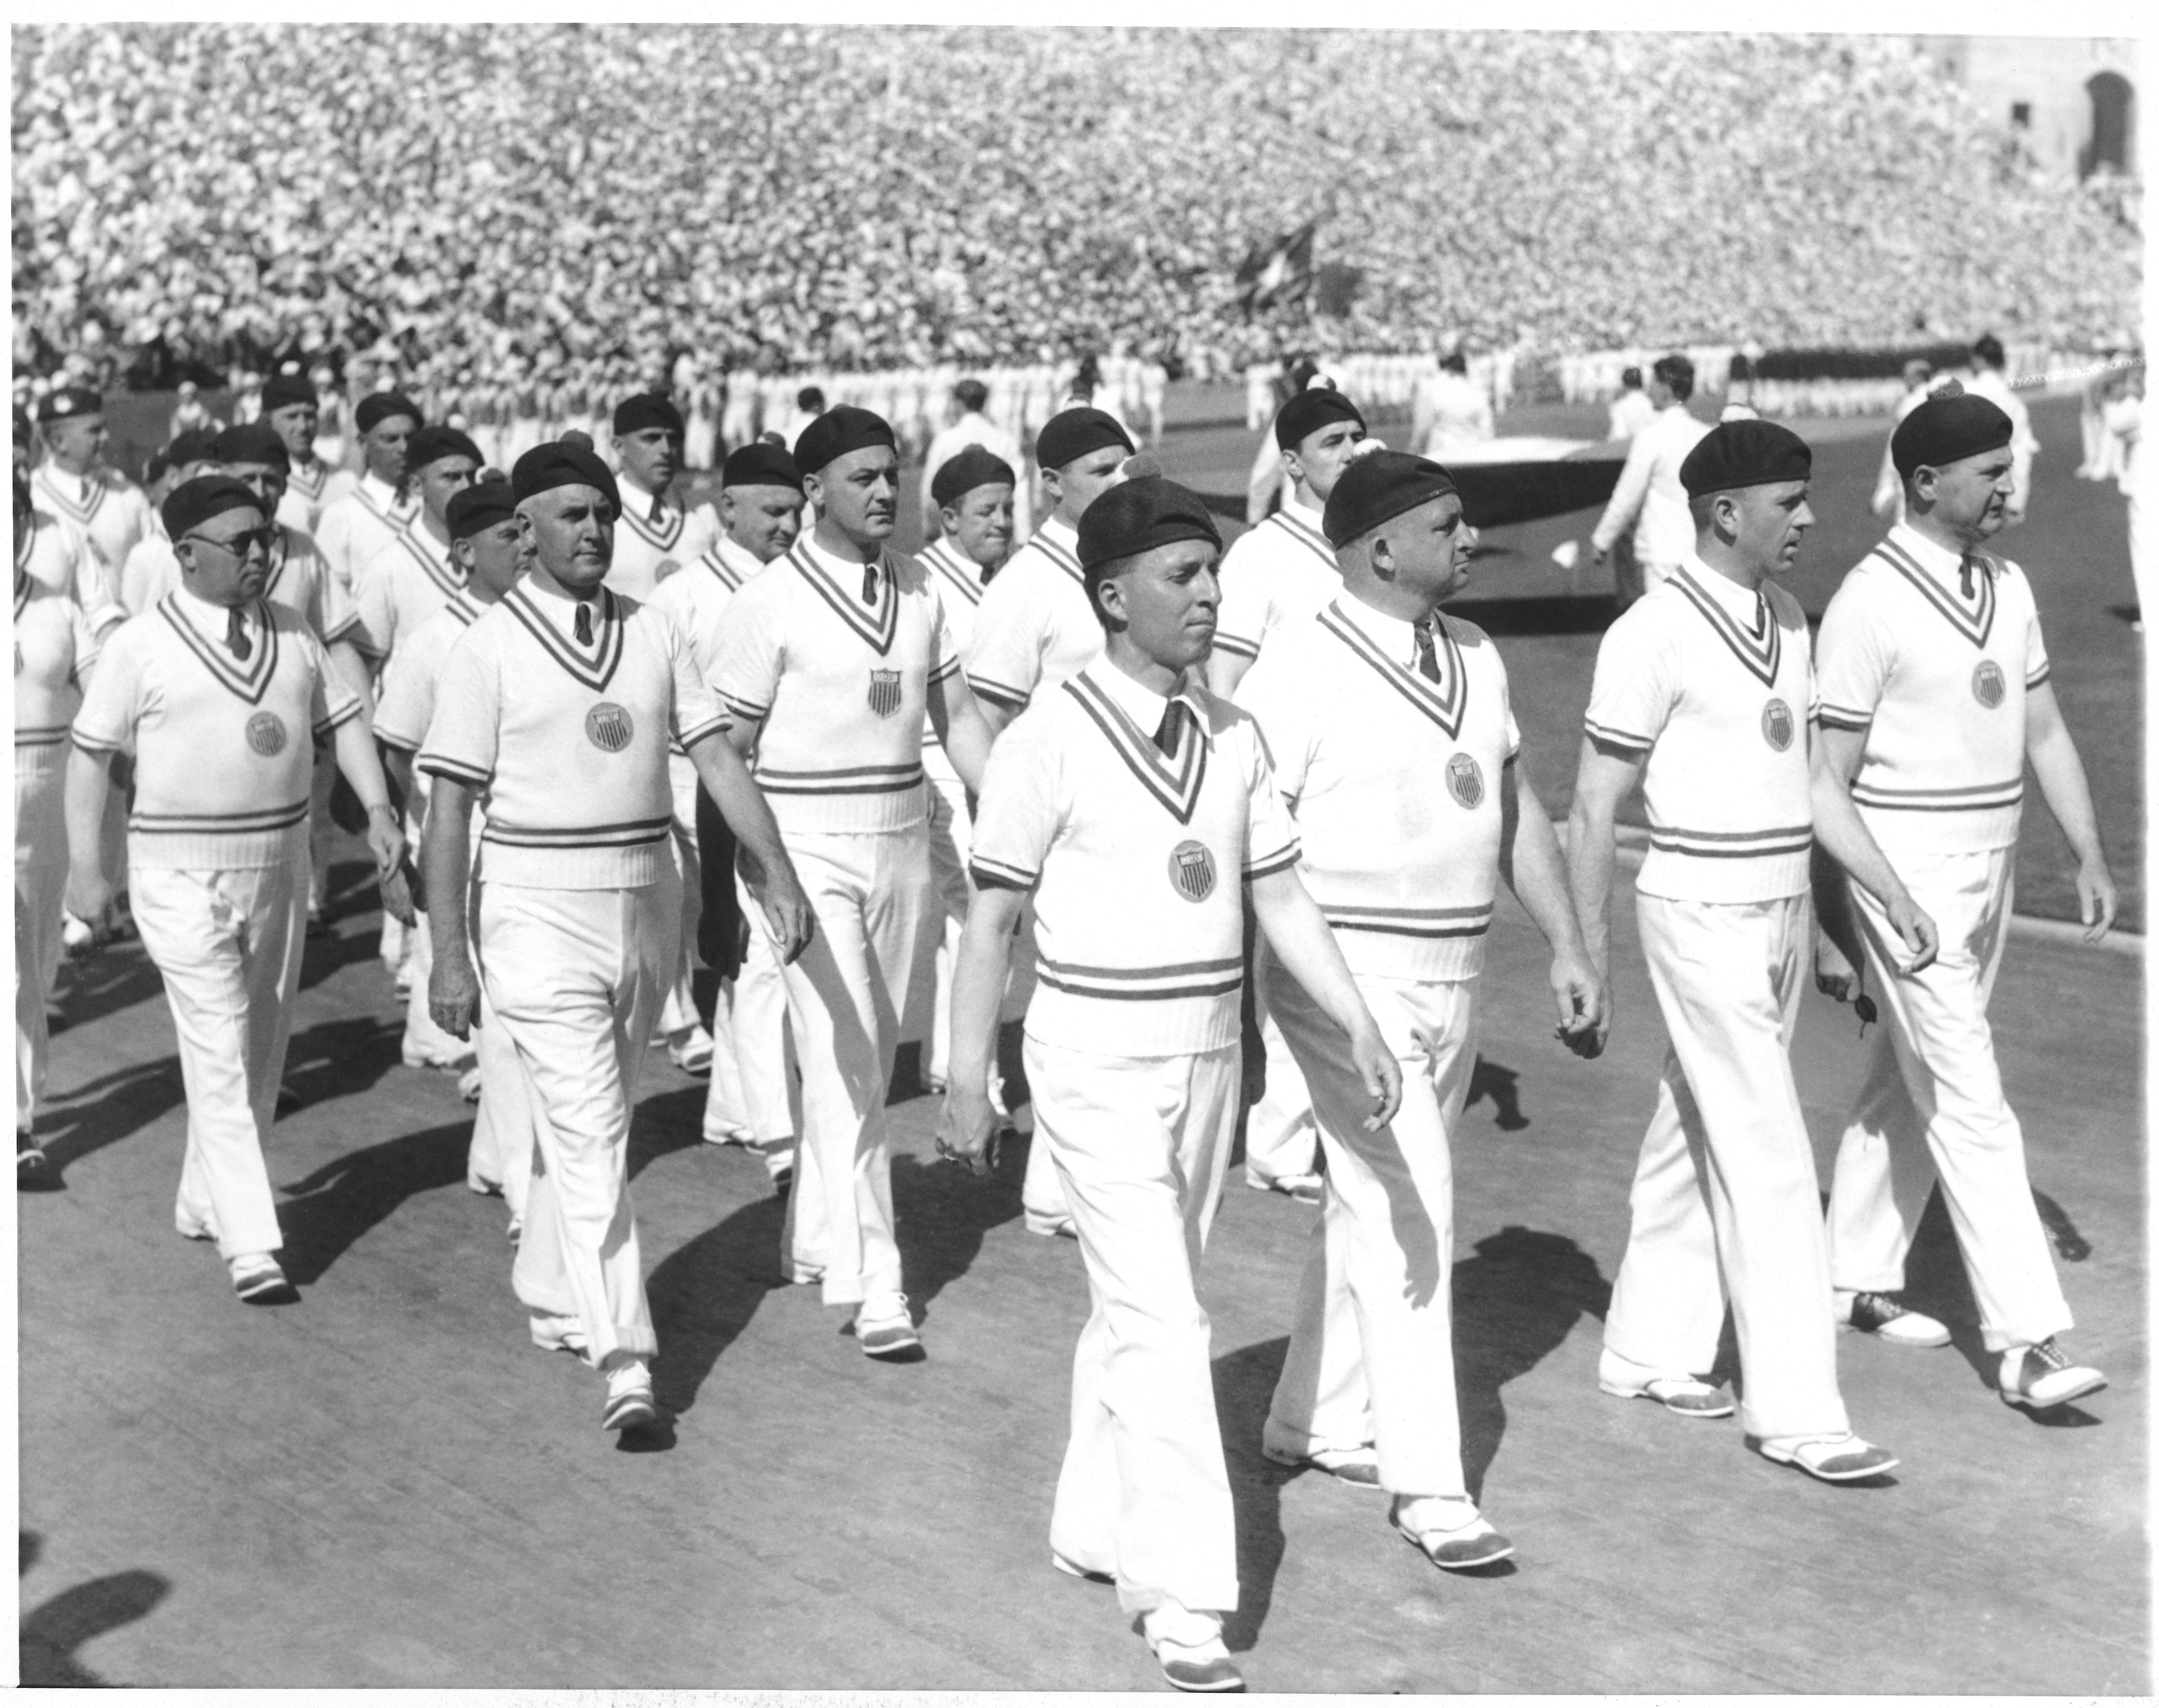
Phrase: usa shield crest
x=1777 y=726
x=1191 y=871
x=884 y=692
x=608 y=727
x=1465 y=782
x=265 y=734
x=1987 y=686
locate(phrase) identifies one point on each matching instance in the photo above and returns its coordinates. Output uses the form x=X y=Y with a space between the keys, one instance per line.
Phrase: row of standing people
x=1126 y=808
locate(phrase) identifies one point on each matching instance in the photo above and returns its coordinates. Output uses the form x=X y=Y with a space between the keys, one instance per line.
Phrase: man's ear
x=1110 y=602
x=1380 y=553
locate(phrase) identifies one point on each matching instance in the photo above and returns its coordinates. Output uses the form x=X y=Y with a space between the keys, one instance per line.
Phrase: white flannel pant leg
x=426 y=1044
x=763 y=1044
x=228 y=946
x=844 y=995
x=1932 y=1107
x=1726 y=1190
x=1371 y=1355
x=1141 y=1143
x=502 y=1142
x=576 y=978
x=41 y=873
x=1282 y=1136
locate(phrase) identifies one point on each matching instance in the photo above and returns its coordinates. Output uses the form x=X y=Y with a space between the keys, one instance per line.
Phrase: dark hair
x=1630 y=379
x=1987 y=348
x=1454 y=362
x=809 y=397
x=971 y=395
x=1676 y=373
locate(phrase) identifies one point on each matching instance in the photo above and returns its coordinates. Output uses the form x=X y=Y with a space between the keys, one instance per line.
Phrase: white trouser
x=576 y=978
x=228 y=944
x=1141 y=1143
x=1281 y=1138
x=844 y=995
x=41 y=873
x=763 y=1044
x=678 y=1013
x=501 y=1153
x=1371 y=1356
x=1931 y=1106
x=1726 y=1201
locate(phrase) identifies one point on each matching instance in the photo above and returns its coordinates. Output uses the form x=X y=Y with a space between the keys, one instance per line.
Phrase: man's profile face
x=763 y=520
x=1086 y=478
x=981 y=524
x=443 y=479
x=1319 y=458
x=383 y=446
x=1166 y=600
x=265 y=480
x=1772 y=520
x=1428 y=548
x=493 y=558
x=79 y=440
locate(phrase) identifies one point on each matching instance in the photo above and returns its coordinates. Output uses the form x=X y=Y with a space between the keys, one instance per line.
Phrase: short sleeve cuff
x=998 y=693
x=996 y=874
x=441 y=765
x=1830 y=717
x=1236 y=645
x=1618 y=737
x=1280 y=860
x=716 y=724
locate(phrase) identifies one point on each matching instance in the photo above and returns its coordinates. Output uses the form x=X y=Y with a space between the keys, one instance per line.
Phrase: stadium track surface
x=384 y=1485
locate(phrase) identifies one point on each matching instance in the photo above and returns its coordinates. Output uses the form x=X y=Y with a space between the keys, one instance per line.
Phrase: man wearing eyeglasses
x=214 y=694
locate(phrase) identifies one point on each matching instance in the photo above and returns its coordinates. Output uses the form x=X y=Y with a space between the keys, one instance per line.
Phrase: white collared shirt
x=1281 y=573
x=1035 y=626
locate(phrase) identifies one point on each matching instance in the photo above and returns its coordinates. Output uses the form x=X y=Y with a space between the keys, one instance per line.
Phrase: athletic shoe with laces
x=1188 y=1648
x=629 y=1403
x=1879 y=1315
x=884 y=1329
x=2039 y=1377
x=258 y=1281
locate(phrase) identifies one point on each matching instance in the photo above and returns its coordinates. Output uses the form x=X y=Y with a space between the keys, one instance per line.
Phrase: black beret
x=973 y=467
x=758 y=463
x=192 y=503
x=284 y=391
x=1378 y=487
x=1736 y=453
x=378 y=406
x=481 y=505
x=253 y=442
x=1948 y=427
x=648 y=409
x=1137 y=516
x=1308 y=411
x=1071 y=433
x=560 y=464
x=68 y=403
x=838 y=431
x=195 y=445
x=430 y=444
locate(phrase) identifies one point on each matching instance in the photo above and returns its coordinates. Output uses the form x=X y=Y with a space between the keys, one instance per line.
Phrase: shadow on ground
x=52 y=1632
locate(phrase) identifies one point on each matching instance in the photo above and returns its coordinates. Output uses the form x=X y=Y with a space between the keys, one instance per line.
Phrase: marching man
x=830 y=660
x=747 y=1100
x=1934 y=693
x=1139 y=811
x=553 y=715
x=485 y=545
x=413 y=575
x=1395 y=747
x=1279 y=574
x=1702 y=694
x=76 y=485
x=217 y=694
x=353 y=526
x=290 y=410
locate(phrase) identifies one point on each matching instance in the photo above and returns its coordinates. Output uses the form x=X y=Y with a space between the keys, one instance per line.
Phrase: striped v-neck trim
x=248 y=679
x=718 y=566
x=1061 y=556
x=948 y=564
x=1175 y=784
x=297 y=482
x=662 y=538
x=395 y=517
x=464 y=608
x=1306 y=535
x=81 y=515
x=875 y=627
x=1974 y=624
x=1762 y=650
x=1443 y=701
x=440 y=574
x=594 y=672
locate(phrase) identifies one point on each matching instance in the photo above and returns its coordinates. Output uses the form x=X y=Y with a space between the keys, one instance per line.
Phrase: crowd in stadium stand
x=565 y=212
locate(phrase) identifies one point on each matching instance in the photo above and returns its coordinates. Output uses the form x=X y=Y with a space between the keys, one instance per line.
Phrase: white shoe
x=1841 y=1458
x=1305 y=1188
x=1449 y=1531
x=75 y=933
x=691 y=1050
x=884 y=1327
x=468 y=1085
x=729 y=1136
x=1879 y=1315
x=1189 y=1648
x=2037 y=1377
x=629 y=1404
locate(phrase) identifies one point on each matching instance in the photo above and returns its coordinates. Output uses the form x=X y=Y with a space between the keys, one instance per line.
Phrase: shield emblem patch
x=265 y=734
x=1987 y=686
x=1465 y=782
x=608 y=727
x=884 y=692
x=1191 y=871
x=1777 y=725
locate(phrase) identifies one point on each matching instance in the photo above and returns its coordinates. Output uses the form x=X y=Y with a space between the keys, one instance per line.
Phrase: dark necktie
x=1964 y=568
x=870 y=582
x=1166 y=732
x=1428 y=660
x=584 y=624
x=236 y=633
x=659 y=508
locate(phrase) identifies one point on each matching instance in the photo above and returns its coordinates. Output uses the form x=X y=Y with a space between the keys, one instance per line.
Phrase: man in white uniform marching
x=485 y=541
x=1033 y=628
x=747 y=1100
x=830 y=660
x=1649 y=498
x=973 y=494
x=290 y=411
x=215 y=694
x=1935 y=694
x=552 y=714
x=1395 y=746
x=76 y=484
x=1277 y=575
x=353 y=526
x=1702 y=694
x=1140 y=811
x=413 y=575
x=54 y=649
